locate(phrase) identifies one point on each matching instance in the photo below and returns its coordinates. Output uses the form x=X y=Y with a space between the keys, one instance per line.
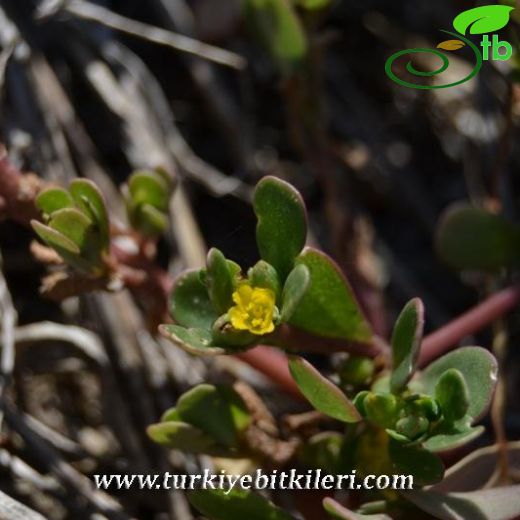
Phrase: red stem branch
x=473 y=320
x=273 y=364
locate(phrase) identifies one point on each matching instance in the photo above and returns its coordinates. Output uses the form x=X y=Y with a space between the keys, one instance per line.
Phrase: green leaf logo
x=482 y=20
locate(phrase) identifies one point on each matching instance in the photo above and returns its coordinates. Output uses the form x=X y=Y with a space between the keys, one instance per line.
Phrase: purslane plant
x=395 y=421
x=224 y=309
x=407 y=416
x=390 y=417
x=76 y=221
x=147 y=194
x=76 y=225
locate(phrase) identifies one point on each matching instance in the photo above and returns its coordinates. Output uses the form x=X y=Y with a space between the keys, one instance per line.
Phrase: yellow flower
x=254 y=309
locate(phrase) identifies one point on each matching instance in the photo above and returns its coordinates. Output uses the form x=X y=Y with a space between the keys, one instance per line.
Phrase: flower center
x=253 y=309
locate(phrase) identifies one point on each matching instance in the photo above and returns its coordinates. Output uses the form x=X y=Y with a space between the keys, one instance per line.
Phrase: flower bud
x=381 y=409
x=356 y=370
x=412 y=426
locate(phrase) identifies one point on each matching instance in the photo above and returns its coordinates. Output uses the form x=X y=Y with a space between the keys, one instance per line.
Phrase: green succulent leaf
x=423 y=405
x=359 y=402
x=148 y=187
x=324 y=395
x=425 y=467
x=278 y=29
x=282 y=223
x=65 y=247
x=264 y=275
x=339 y=512
x=412 y=426
x=171 y=415
x=217 y=411
x=452 y=394
x=181 y=436
x=499 y=503
x=482 y=20
x=329 y=307
x=448 y=437
x=472 y=238
x=89 y=199
x=406 y=344
x=381 y=409
x=477 y=468
x=74 y=225
x=313 y=5
x=190 y=305
x=55 y=239
x=198 y=342
x=295 y=287
x=479 y=369
x=219 y=281
x=399 y=437
x=235 y=504
x=151 y=221
x=53 y=199
x=234 y=269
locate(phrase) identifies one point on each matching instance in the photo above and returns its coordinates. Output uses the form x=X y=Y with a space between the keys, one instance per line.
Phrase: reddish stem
x=292 y=338
x=273 y=364
x=480 y=316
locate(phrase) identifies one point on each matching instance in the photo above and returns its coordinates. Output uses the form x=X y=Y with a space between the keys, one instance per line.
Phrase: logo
x=479 y=21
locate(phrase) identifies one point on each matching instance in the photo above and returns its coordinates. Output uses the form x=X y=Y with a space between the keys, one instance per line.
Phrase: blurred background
x=87 y=92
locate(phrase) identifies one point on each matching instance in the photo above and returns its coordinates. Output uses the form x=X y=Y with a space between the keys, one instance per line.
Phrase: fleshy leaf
x=324 y=395
x=73 y=224
x=235 y=504
x=278 y=29
x=329 y=307
x=482 y=20
x=195 y=341
x=472 y=238
x=181 y=436
x=452 y=394
x=479 y=369
x=339 y=512
x=264 y=275
x=219 y=281
x=282 y=224
x=151 y=220
x=55 y=239
x=67 y=249
x=190 y=305
x=87 y=197
x=485 y=504
x=412 y=426
x=148 y=187
x=406 y=343
x=425 y=467
x=217 y=411
x=313 y=5
x=447 y=437
x=476 y=469
x=170 y=415
x=53 y=199
x=295 y=287
x=451 y=45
